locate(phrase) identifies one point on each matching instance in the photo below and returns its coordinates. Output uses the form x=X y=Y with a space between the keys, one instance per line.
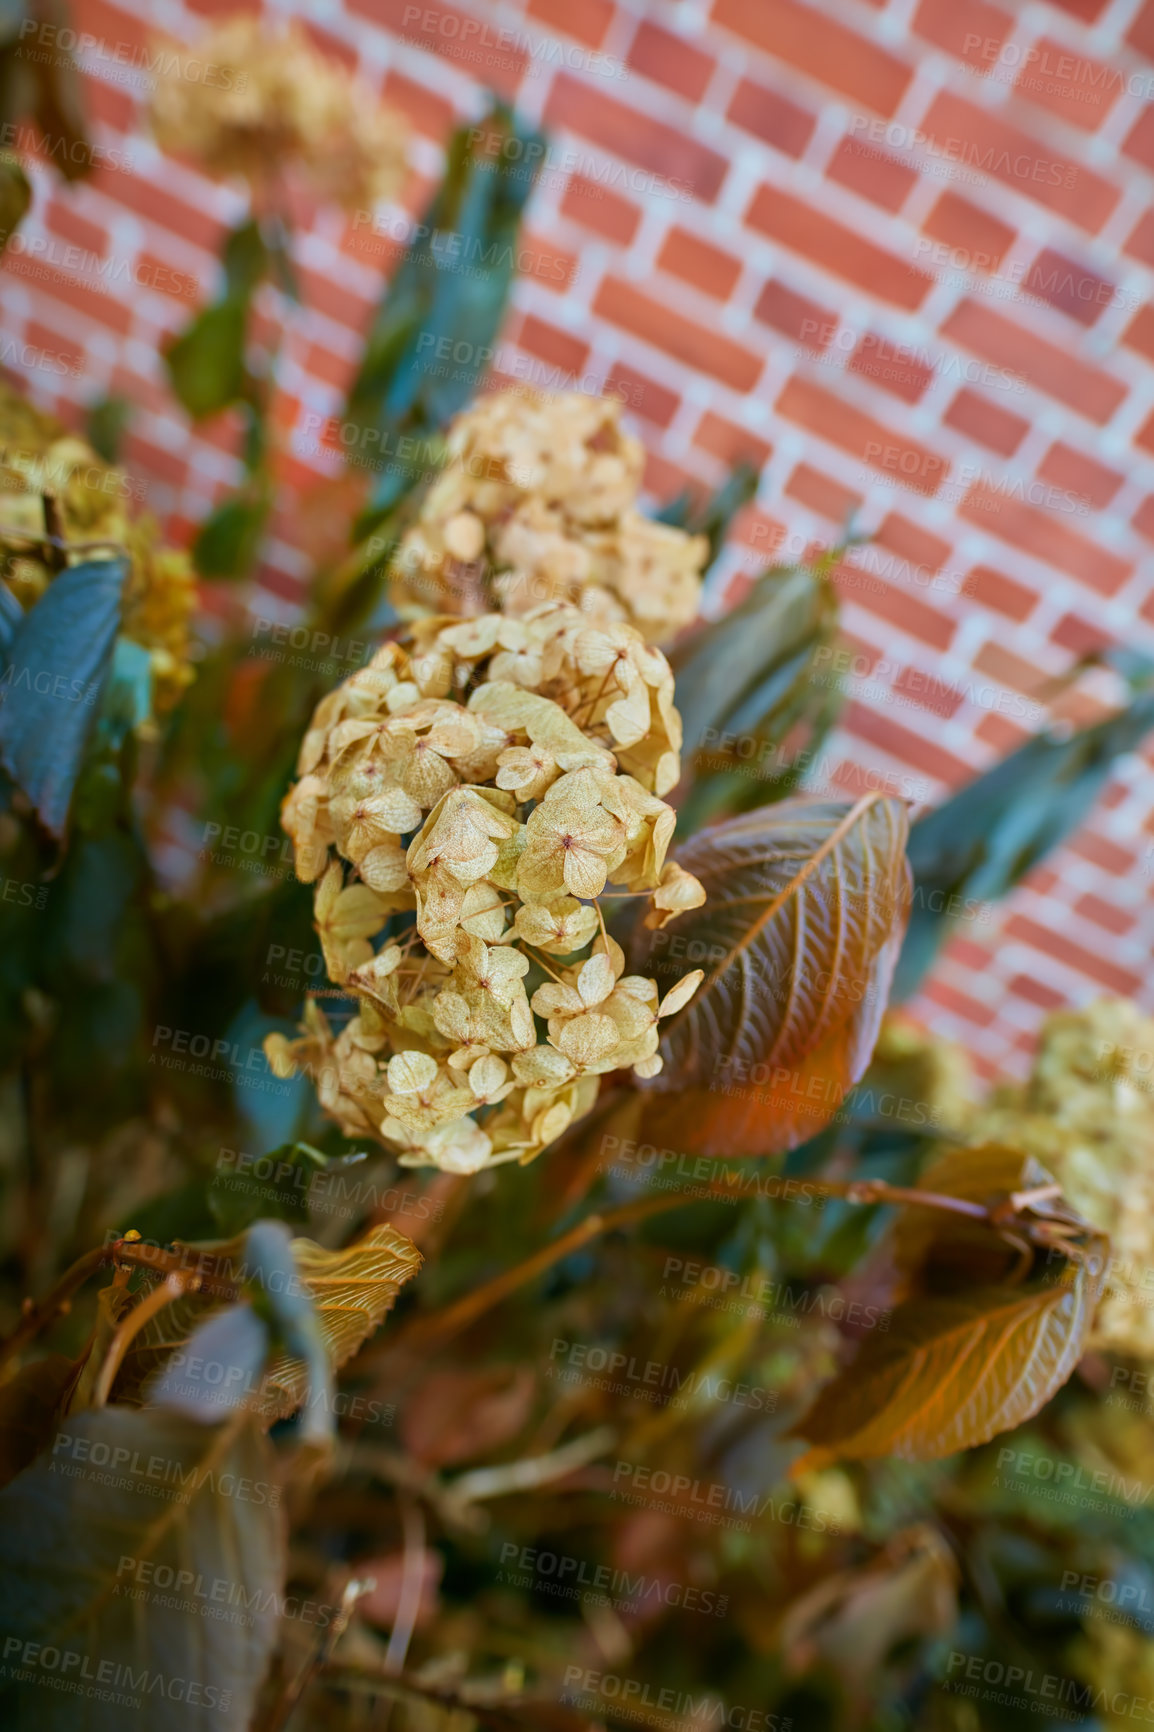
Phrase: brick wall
x=900 y=253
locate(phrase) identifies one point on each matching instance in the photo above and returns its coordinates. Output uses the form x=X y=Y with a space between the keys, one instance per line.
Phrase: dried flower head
x=463 y=803
x=1087 y=1113
x=59 y=505
x=537 y=503
x=276 y=104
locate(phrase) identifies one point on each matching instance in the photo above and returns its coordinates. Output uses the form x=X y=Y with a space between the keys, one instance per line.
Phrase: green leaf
x=245 y=259
x=206 y=362
x=58 y=667
x=228 y=541
x=126 y=1497
x=745 y=683
x=444 y=294
x=804 y=912
x=997 y=828
x=713 y=515
x=276 y=1187
x=105 y=425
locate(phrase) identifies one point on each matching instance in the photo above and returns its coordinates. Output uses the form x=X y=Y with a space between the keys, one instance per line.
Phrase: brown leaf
x=805 y=909
x=459 y=1415
x=29 y=1404
x=953 y=1372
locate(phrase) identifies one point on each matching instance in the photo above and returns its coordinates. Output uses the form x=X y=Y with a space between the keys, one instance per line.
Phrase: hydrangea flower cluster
x=61 y=504
x=463 y=804
x=537 y=503
x=275 y=102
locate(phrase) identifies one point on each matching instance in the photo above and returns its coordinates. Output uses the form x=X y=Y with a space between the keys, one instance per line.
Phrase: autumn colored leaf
x=803 y=919
x=952 y=1373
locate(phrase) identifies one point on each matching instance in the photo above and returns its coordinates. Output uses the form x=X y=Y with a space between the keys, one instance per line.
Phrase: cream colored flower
x=518 y=812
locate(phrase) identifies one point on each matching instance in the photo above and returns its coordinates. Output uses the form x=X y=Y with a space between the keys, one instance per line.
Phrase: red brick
x=821 y=46
x=1100 y=851
x=1045 y=536
x=1088 y=10
x=642 y=396
x=321 y=294
x=795 y=316
x=429 y=113
x=1075 y=956
x=1141 y=33
x=731 y=443
x=1024 y=985
x=881 y=361
x=867 y=171
x=1139 y=333
x=665 y=480
x=979 y=139
x=587 y=20
x=666 y=151
x=912 y=543
x=1139 y=141
x=959 y=1003
x=708 y=268
x=985 y=423
x=1141 y=242
x=772 y=118
x=1078 y=635
x=597 y=208
x=156 y=273
x=837 y=249
x=894 y=603
x=1104 y=914
x=76 y=230
x=321 y=363
x=826 y=497
x=1048 y=366
x=967 y=229
x=1001 y=734
x=159 y=204
x=1143 y=518
x=968 y=28
x=840 y=424
x=153 y=461
x=1078 y=90
x=906 y=745
x=440 y=29
x=670 y=60
x=1083 y=475
x=77 y=292
x=52 y=343
x=695 y=345
x=1143 y=437
x=993 y=589
x=548 y=265
x=110 y=106
x=928 y=692
x=555 y=347
x=1069 y=286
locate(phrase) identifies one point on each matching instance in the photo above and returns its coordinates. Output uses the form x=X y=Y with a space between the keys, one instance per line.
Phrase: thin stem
x=878 y=1191
x=172 y=1287
x=35 y=1317
x=412 y=1578
x=487 y=1482
x=465 y=1311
